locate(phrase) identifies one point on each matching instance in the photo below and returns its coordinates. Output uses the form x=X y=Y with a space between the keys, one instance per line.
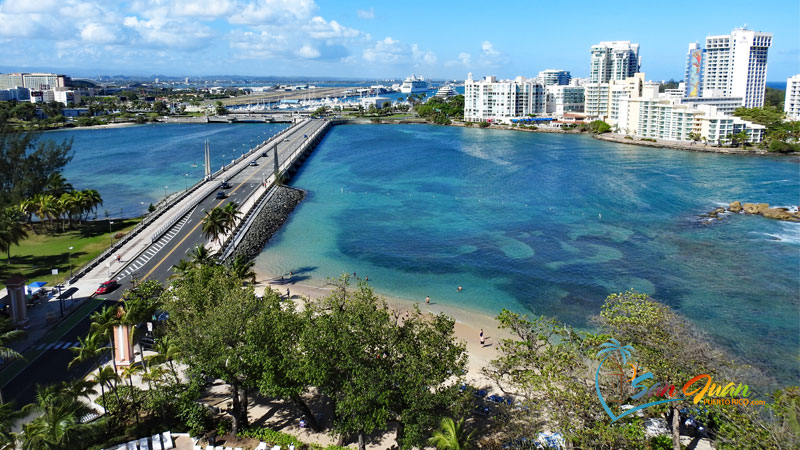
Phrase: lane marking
x=174 y=247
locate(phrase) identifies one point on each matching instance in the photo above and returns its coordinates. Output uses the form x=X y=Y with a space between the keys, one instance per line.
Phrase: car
x=106 y=287
x=225 y=185
x=286 y=140
x=220 y=195
x=264 y=154
x=253 y=163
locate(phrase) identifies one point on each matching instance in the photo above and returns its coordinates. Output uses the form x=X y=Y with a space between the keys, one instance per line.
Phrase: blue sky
x=372 y=40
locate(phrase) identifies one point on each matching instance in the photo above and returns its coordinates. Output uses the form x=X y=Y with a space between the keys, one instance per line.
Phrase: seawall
x=268 y=221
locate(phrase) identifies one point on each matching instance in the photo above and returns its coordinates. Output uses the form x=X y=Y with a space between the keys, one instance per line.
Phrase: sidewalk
x=46 y=317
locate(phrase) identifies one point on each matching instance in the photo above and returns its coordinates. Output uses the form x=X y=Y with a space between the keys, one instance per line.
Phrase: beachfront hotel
x=791 y=104
x=735 y=65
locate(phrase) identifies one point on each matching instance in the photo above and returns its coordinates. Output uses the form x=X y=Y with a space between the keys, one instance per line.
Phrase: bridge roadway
x=155 y=262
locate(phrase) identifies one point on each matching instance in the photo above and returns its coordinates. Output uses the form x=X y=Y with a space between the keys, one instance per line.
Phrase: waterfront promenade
x=148 y=255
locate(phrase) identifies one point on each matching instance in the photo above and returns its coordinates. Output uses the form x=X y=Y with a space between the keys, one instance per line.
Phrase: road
x=154 y=263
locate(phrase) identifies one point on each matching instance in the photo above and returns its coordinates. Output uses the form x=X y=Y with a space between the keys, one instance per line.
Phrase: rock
x=655 y=427
x=735 y=207
x=780 y=214
x=750 y=208
x=761 y=208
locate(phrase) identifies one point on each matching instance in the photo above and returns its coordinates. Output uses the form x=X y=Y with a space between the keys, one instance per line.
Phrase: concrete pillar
x=16 y=295
x=123 y=348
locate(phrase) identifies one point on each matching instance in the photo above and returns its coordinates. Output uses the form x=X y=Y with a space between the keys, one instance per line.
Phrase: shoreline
x=467 y=327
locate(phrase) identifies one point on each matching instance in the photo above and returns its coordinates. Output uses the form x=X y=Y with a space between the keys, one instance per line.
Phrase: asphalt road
x=155 y=263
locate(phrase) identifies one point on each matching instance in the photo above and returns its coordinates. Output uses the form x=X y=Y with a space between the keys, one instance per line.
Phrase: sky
x=373 y=40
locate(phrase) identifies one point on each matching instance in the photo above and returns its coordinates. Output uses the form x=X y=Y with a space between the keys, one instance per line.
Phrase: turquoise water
x=130 y=166
x=551 y=224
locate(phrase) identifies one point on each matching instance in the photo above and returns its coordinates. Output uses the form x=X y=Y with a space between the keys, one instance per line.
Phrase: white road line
x=50 y=346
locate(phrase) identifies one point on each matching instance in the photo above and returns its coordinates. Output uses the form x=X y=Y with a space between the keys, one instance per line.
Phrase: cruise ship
x=446 y=92
x=414 y=84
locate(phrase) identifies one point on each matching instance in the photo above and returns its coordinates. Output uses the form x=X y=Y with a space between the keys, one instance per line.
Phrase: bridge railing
x=230 y=244
x=165 y=206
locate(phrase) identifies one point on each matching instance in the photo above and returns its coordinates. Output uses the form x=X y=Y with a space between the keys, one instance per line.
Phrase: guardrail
x=169 y=203
x=236 y=237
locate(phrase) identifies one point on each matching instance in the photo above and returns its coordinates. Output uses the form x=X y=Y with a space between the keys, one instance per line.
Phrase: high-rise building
x=694 y=71
x=496 y=100
x=552 y=77
x=611 y=61
x=564 y=99
x=791 y=104
x=736 y=66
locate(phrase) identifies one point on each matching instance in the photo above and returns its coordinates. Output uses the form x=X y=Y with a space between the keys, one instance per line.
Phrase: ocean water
x=552 y=224
x=130 y=166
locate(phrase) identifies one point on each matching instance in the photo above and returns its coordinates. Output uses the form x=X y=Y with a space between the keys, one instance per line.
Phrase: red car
x=106 y=287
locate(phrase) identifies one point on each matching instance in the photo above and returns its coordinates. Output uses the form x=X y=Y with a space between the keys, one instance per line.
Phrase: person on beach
x=459 y=289
x=428 y=300
x=366 y=278
x=483 y=339
x=119 y=258
x=288 y=295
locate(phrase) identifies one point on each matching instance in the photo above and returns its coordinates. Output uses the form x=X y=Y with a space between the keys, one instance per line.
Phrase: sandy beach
x=468 y=323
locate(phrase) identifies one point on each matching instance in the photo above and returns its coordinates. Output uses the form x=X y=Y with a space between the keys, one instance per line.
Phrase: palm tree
x=7 y=334
x=11 y=230
x=451 y=435
x=8 y=417
x=78 y=388
x=167 y=352
x=59 y=425
x=46 y=207
x=28 y=207
x=181 y=268
x=231 y=214
x=90 y=348
x=106 y=377
x=129 y=372
x=215 y=224
x=57 y=185
x=103 y=322
x=200 y=256
x=91 y=201
x=242 y=268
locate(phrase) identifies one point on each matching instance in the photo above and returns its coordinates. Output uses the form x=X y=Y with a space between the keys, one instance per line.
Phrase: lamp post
x=69 y=259
x=186 y=182
x=165 y=193
x=110 y=236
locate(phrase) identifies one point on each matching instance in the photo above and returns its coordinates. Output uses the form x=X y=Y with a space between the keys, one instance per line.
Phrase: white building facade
x=564 y=99
x=791 y=104
x=553 y=77
x=611 y=61
x=494 y=100
x=735 y=65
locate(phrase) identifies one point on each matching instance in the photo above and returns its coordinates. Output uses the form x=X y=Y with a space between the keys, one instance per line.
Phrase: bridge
x=162 y=239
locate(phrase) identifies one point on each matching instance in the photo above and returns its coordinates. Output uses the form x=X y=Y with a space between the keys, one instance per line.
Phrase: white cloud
x=99 y=33
x=28 y=6
x=318 y=28
x=491 y=56
x=392 y=51
x=203 y=8
x=465 y=58
x=274 y=12
x=167 y=33
x=308 y=52
x=366 y=14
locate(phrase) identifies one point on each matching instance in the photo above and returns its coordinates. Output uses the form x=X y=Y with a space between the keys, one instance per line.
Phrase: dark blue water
x=551 y=224
x=130 y=166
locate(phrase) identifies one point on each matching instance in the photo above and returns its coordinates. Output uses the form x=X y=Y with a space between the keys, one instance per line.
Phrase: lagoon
x=551 y=224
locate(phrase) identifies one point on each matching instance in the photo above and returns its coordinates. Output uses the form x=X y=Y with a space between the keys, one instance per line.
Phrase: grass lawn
x=38 y=254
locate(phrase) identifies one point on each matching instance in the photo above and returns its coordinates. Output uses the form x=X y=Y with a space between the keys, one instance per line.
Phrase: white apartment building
x=791 y=104
x=43 y=96
x=668 y=119
x=611 y=61
x=494 y=100
x=564 y=99
x=553 y=77
x=724 y=105
x=67 y=97
x=736 y=66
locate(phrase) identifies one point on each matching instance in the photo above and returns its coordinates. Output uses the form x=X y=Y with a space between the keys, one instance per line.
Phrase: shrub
x=119 y=235
x=629 y=137
x=483 y=124
x=599 y=127
x=277 y=438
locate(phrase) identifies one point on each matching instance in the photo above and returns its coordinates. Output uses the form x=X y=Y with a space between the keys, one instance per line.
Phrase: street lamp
x=165 y=193
x=69 y=258
x=110 y=236
x=186 y=182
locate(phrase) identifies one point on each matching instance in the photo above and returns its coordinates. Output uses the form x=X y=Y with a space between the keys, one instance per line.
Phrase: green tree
x=215 y=224
x=452 y=435
x=201 y=256
x=26 y=163
x=160 y=108
x=242 y=268
x=8 y=418
x=106 y=378
x=231 y=214
x=12 y=230
x=8 y=333
x=219 y=326
x=220 y=109
x=59 y=426
x=599 y=127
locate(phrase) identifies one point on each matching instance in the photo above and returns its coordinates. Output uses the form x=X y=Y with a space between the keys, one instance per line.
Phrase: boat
x=446 y=92
x=414 y=84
